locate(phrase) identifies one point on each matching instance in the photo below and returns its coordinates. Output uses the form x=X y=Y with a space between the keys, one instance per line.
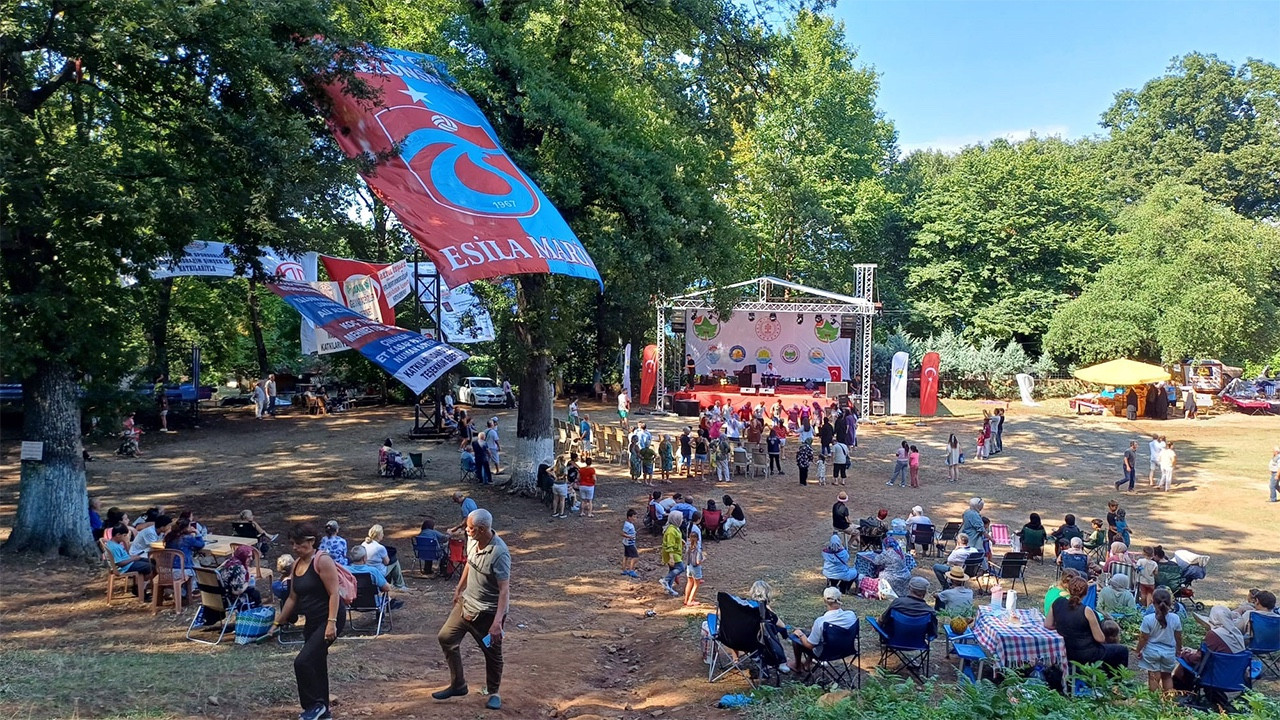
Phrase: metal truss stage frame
x=771 y=294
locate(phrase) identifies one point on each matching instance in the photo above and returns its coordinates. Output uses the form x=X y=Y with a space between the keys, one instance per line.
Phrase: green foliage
x=1005 y=235
x=1191 y=279
x=889 y=697
x=810 y=190
x=985 y=368
x=1207 y=124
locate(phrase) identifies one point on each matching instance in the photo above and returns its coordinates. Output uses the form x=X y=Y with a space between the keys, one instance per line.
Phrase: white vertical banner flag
x=626 y=370
x=898 y=384
x=395 y=282
x=1026 y=384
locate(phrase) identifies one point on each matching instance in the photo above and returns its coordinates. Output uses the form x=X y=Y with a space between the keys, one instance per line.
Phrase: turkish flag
x=648 y=372
x=929 y=384
x=340 y=270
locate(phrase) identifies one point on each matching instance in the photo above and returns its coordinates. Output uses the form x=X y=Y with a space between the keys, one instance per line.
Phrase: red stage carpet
x=789 y=394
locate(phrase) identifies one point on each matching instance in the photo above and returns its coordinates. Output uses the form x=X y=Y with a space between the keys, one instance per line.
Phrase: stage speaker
x=678 y=323
x=848 y=325
x=836 y=389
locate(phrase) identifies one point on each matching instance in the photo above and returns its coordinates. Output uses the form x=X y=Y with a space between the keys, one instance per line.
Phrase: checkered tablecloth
x=1018 y=643
x=862 y=563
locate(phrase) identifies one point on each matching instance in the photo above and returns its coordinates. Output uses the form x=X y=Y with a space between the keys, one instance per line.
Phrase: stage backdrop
x=800 y=345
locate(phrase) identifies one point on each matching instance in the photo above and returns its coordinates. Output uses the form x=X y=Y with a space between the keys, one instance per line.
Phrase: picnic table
x=216 y=545
x=1018 y=640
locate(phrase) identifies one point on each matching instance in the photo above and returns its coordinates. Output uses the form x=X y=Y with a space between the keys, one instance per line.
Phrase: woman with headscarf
x=237 y=576
x=835 y=565
x=545 y=481
x=892 y=561
x=1221 y=635
x=1119 y=554
x=1033 y=536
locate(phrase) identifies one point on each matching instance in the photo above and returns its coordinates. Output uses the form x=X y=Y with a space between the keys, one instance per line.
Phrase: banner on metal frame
x=929 y=384
x=898 y=384
x=464 y=318
x=441 y=170
x=408 y=356
x=648 y=372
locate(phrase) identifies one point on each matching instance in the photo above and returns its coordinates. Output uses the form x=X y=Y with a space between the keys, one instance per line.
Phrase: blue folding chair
x=1079 y=563
x=427 y=550
x=907 y=639
x=1217 y=677
x=1265 y=641
x=836 y=656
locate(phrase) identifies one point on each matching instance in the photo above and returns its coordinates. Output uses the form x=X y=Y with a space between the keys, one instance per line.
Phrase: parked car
x=479 y=391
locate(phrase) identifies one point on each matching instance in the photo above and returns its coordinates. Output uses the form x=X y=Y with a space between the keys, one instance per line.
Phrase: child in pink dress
x=913 y=462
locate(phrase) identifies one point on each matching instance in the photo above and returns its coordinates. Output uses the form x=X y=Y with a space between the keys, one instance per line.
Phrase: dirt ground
x=579 y=643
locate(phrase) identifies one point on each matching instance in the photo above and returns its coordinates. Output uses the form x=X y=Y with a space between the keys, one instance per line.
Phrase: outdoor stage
x=707 y=395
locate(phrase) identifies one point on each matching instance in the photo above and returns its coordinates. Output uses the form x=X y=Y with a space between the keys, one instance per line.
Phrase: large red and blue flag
x=441 y=170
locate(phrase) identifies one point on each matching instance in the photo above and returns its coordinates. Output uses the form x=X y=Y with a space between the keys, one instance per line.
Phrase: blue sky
x=953 y=73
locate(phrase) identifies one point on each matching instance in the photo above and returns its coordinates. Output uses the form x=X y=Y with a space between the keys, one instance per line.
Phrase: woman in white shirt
x=377 y=555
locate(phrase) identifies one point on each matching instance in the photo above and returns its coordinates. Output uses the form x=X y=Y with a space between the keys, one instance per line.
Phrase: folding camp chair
x=415 y=467
x=1128 y=571
x=427 y=551
x=1000 y=535
x=924 y=536
x=759 y=464
x=1072 y=561
x=369 y=599
x=870 y=535
x=457 y=557
x=735 y=634
x=837 y=657
x=216 y=606
x=907 y=639
x=712 y=524
x=949 y=533
x=1013 y=567
x=1217 y=675
x=1265 y=641
x=468 y=469
x=115 y=572
x=975 y=567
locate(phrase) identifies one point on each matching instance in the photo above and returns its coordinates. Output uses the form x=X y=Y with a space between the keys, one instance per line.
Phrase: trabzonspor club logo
x=790 y=354
x=459 y=165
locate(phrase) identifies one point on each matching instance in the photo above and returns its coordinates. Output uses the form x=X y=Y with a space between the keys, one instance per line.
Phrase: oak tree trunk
x=255 y=324
x=534 y=443
x=160 y=329
x=53 y=503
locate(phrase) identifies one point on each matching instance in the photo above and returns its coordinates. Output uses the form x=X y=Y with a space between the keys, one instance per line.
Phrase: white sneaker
x=785 y=669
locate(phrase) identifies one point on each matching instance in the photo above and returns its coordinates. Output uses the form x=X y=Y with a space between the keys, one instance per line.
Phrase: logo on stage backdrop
x=737 y=353
x=443 y=173
x=764 y=355
x=714 y=353
x=790 y=354
x=705 y=326
x=768 y=330
x=826 y=329
x=818 y=357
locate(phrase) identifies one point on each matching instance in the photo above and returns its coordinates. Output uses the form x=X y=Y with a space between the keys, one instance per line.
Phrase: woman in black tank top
x=313 y=593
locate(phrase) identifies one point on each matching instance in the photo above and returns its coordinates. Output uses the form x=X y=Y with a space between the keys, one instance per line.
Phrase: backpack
x=346 y=581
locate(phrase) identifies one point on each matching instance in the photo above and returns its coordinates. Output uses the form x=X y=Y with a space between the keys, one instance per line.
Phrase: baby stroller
x=1178 y=574
x=128 y=445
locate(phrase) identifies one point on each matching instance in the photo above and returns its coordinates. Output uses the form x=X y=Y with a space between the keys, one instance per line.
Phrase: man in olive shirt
x=479 y=608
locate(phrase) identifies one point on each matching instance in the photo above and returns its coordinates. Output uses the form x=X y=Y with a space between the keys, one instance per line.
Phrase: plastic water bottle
x=997 y=595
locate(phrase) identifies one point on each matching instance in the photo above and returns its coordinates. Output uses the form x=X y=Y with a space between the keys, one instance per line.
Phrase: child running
x=629 y=554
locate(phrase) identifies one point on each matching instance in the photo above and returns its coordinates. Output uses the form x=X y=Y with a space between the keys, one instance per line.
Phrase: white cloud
x=956 y=143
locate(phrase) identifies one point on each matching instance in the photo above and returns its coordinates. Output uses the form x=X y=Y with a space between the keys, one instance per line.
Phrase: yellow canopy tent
x=1122 y=372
